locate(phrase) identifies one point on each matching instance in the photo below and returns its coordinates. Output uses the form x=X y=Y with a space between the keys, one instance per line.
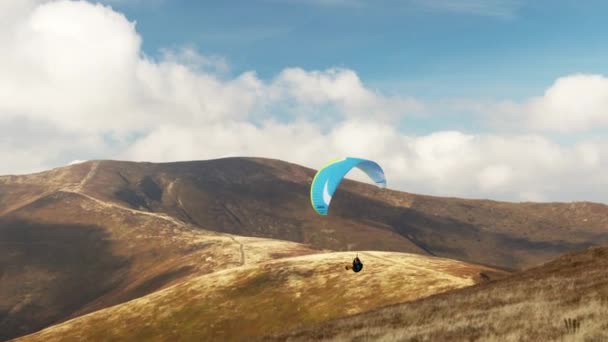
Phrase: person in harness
x=357 y=265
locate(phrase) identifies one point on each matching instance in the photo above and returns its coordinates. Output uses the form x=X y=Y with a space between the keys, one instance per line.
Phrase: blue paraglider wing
x=329 y=177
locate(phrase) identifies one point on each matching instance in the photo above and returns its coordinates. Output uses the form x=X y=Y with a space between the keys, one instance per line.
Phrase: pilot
x=357 y=265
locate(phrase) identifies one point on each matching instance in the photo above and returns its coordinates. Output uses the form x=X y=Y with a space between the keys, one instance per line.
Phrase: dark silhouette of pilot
x=357 y=264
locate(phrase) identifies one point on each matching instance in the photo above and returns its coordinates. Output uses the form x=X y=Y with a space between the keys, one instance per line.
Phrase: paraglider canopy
x=329 y=177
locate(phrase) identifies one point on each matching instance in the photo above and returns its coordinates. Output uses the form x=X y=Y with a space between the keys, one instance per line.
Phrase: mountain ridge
x=406 y=221
x=148 y=226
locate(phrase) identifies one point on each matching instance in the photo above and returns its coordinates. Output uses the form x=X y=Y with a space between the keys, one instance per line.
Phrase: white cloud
x=572 y=103
x=188 y=56
x=66 y=57
x=343 y=89
x=575 y=103
x=447 y=163
x=494 y=176
x=74 y=85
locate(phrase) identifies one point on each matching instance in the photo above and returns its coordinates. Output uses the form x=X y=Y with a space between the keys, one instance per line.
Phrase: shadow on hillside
x=50 y=271
x=247 y=195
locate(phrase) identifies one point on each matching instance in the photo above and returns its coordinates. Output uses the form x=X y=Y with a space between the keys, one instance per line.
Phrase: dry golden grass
x=135 y=228
x=531 y=306
x=268 y=297
x=69 y=253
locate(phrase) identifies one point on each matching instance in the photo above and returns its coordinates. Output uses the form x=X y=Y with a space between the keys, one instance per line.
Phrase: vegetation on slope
x=564 y=299
x=270 y=198
x=270 y=297
x=67 y=254
x=129 y=229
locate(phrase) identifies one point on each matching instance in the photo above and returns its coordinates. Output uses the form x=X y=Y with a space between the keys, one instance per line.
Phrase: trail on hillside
x=242 y=248
x=165 y=217
x=133 y=211
x=74 y=188
x=25 y=203
x=88 y=177
x=79 y=190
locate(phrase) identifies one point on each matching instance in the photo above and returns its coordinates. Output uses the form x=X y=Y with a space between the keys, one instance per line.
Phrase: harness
x=357 y=264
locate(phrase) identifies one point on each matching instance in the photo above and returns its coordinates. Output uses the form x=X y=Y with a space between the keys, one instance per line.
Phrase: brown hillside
x=66 y=254
x=127 y=229
x=269 y=198
x=269 y=297
x=563 y=300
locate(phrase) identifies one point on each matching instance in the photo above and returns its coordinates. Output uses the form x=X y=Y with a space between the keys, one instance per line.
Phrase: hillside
x=276 y=296
x=565 y=299
x=270 y=198
x=66 y=254
x=89 y=236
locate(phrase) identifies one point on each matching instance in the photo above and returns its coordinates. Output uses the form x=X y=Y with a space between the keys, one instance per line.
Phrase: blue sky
x=501 y=99
x=484 y=49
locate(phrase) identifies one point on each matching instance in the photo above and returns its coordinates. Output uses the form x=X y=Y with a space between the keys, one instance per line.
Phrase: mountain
x=563 y=300
x=65 y=255
x=269 y=297
x=85 y=237
x=270 y=198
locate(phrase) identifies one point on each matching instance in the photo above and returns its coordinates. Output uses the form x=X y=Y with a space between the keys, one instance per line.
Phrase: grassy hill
x=93 y=235
x=563 y=300
x=66 y=254
x=270 y=198
x=269 y=297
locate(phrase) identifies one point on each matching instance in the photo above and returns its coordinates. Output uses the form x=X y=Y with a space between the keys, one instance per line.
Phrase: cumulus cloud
x=193 y=60
x=75 y=85
x=448 y=163
x=572 y=104
x=342 y=88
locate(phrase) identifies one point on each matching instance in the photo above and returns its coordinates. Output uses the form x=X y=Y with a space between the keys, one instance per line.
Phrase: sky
x=499 y=99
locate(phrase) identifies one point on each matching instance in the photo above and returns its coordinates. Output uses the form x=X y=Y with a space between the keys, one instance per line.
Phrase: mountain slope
x=67 y=254
x=269 y=297
x=126 y=230
x=565 y=299
x=269 y=198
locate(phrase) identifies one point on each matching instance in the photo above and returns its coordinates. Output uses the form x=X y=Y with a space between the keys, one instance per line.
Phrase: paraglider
x=357 y=265
x=328 y=178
